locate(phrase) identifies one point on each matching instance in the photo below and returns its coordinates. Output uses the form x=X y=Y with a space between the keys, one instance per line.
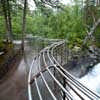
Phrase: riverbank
x=82 y=62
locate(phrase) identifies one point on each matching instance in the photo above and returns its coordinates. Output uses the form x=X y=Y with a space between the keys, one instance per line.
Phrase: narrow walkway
x=14 y=87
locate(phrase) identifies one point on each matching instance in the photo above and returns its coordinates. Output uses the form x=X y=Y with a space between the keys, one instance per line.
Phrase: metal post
x=64 y=80
x=65 y=52
x=55 y=87
x=64 y=85
x=61 y=55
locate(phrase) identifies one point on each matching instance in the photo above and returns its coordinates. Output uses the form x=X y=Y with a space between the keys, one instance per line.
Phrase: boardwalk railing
x=48 y=80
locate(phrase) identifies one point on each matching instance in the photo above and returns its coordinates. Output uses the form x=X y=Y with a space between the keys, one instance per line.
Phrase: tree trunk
x=24 y=24
x=90 y=34
x=9 y=20
x=7 y=16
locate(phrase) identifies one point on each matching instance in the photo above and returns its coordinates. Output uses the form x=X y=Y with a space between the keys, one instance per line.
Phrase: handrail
x=48 y=62
x=73 y=78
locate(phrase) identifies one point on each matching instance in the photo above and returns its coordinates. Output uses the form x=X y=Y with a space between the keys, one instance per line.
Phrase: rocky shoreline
x=83 y=62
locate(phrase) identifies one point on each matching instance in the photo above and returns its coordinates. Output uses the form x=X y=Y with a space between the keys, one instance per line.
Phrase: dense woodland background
x=78 y=22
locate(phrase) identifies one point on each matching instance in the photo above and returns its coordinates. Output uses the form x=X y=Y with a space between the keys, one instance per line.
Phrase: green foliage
x=63 y=25
x=35 y=25
x=67 y=23
x=16 y=23
x=2 y=26
x=92 y=14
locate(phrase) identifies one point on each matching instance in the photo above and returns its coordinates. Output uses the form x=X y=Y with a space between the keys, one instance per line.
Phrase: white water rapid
x=92 y=79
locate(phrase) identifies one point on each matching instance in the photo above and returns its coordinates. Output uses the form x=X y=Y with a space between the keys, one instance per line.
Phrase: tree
x=92 y=15
x=7 y=16
x=90 y=34
x=24 y=24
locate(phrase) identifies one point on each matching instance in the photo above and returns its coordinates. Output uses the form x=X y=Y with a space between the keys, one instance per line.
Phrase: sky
x=32 y=5
x=66 y=1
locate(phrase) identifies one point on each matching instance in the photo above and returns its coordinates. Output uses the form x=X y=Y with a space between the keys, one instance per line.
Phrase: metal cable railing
x=52 y=81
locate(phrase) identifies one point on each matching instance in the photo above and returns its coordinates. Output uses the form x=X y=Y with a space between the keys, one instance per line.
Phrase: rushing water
x=92 y=79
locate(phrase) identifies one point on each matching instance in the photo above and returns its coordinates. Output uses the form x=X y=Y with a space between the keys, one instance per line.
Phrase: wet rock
x=82 y=62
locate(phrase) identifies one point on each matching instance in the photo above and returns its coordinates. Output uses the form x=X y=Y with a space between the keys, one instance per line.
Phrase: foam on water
x=92 y=79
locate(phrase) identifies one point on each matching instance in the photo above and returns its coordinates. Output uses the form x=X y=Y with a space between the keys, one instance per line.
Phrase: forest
x=76 y=22
x=50 y=49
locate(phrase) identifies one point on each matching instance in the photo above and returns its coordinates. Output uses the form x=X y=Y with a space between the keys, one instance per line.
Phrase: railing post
x=64 y=85
x=65 y=52
x=62 y=53
x=55 y=55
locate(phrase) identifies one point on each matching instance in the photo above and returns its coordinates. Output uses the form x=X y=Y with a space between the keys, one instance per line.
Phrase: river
x=92 y=79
